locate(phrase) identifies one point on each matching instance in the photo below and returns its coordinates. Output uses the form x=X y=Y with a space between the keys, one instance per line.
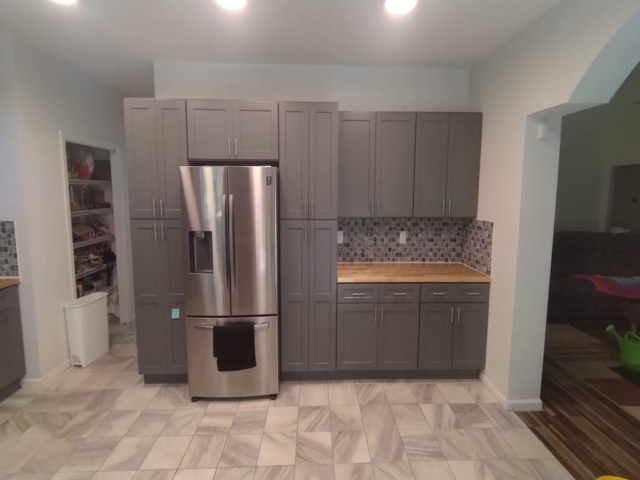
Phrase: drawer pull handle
x=473 y=294
x=257 y=326
x=400 y=294
x=358 y=294
x=439 y=294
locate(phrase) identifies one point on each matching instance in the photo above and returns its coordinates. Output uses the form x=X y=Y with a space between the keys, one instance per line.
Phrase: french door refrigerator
x=230 y=226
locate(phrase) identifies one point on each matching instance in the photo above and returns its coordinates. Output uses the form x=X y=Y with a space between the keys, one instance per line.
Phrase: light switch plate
x=402 y=239
x=340 y=237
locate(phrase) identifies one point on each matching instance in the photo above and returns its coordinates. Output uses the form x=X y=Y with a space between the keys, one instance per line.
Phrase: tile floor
x=103 y=423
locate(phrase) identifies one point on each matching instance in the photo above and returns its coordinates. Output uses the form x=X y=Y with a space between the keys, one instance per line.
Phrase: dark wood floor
x=588 y=433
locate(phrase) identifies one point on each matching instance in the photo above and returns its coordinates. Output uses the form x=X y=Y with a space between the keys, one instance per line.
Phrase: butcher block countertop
x=409 y=273
x=6 y=282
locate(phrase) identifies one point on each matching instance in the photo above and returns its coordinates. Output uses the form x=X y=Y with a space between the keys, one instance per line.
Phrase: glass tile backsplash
x=8 y=252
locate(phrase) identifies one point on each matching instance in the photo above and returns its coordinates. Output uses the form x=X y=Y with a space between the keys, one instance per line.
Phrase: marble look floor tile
x=149 y=423
x=314 y=472
x=354 y=471
x=470 y=470
x=490 y=444
x=42 y=424
x=421 y=445
x=342 y=393
x=97 y=381
x=289 y=396
x=377 y=417
x=116 y=423
x=440 y=416
x=525 y=443
x=195 y=474
x=393 y=471
x=438 y=470
x=125 y=380
x=454 y=392
x=28 y=476
x=128 y=454
x=314 y=394
x=123 y=350
x=551 y=468
x=409 y=417
x=166 y=453
x=154 y=475
x=114 y=475
x=136 y=398
x=386 y=446
x=204 y=451
x=350 y=447
x=281 y=420
x=217 y=404
x=71 y=379
x=106 y=401
x=470 y=415
x=479 y=392
x=314 y=419
x=370 y=393
x=249 y=420
x=501 y=418
x=216 y=422
x=427 y=393
x=280 y=472
x=509 y=470
x=18 y=453
x=82 y=425
x=399 y=392
x=73 y=476
x=456 y=445
x=12 y=430
x=277 y=449
x=241 y=451
x=245 y=473
x=346 y=418
x=314 y=447
x=52 y=456
x=167 y=398
x=183 y=421
x=90 y=455
x=253 y=403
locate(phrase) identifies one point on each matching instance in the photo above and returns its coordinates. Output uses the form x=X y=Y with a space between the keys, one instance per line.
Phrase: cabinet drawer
x=358 y=293
x=8 y=298
x=473 y=292
x=438 y=292
x=399 y=293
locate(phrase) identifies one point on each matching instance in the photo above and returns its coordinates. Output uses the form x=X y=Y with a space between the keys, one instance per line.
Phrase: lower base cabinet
x=12 y=365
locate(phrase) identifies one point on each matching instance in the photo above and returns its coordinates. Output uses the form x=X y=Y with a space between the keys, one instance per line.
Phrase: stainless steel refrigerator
x=230 y=227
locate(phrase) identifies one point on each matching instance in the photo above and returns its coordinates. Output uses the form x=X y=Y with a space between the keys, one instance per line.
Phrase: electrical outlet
x=340 y=237
x=402 y=239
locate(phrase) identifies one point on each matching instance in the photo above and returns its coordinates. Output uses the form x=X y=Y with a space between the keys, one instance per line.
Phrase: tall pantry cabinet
x=156 y=132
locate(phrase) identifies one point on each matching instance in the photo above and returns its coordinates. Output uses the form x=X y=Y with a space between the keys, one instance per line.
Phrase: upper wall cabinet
x=447 y=164
x=232 y=130
x=308 y=160
x=357 y=163
x=156 y=146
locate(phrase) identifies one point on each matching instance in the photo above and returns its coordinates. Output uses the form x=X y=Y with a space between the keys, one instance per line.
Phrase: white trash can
x=87 y=328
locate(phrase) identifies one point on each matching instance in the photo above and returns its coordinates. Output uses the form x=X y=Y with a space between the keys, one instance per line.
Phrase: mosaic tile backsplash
x=428 y=240
x=8 y=252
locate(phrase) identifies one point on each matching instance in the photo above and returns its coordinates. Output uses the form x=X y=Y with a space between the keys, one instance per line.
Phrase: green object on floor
x=629 y=348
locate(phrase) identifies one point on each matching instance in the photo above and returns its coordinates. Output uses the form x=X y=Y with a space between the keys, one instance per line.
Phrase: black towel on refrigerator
x=234 y=346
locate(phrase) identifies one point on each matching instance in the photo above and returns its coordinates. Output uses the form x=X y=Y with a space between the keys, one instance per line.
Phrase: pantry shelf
x=93 y=241
x=95 y=211
x=90 y=183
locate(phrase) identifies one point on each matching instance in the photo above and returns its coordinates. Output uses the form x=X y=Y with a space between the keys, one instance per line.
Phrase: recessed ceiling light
x=65 y=2
x=399 y=7
x=232 y=4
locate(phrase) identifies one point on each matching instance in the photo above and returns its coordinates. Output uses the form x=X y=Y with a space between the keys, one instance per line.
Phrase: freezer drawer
x=204 y=378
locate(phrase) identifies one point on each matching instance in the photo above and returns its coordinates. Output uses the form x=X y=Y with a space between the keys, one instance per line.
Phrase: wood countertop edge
x=8 y=282
x=388 y=275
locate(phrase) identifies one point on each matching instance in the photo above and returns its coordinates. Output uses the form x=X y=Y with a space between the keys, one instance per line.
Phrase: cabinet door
x=323 y=161
x=398 y=336
x=463 y=171
x=171 y=137
x=12 y=364
x=322 y=294
x=210 y=129
x=357 y=337
x=148 y=273
x=173 y=311
x=356 y=164
x=294 y=295
x=470 y=336
x=430 y=182
x=436 y=336
x=395 y=158
x=142 y=166
x=255 y=130
x=294 y=160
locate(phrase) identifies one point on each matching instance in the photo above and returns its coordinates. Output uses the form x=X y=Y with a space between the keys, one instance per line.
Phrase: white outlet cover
x=340 y=237
x=403 y=237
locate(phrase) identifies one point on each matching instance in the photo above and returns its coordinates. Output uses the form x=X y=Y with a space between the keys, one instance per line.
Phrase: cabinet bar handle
x=438 y=294
x=473 y=294
x=305 y=231
x=229 y=146
x=236 y=147
x=313 y=209
x=381 y=315
x=162 y=208
x=311 y=231
x=154 y=206
x=458 y=314
x=162 y=231
x=155 y=231
x=357 y=294
x=257 y=326
x=375 y=315
x=400 y=294
x=449 y=206
x=451 y=315
x=443 y=207
x=305 y=208
x=378 y=208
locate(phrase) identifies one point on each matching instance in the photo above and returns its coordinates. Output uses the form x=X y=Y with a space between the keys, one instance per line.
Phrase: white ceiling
x=118 y=40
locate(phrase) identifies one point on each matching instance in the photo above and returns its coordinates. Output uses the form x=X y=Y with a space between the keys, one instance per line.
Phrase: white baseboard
x=529 y=405
x=39 y=383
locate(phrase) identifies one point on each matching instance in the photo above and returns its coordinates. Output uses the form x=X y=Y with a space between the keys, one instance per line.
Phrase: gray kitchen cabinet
x=436 y=336
x=308 y=160
x=356 y=165
x=322 y=294
x=395 y=158
x=470 y=336
x=294 y=296
x=432 y=152
x=232 y=130
x=398 y=336
x=12 y=363
x=156 y=134
x=357 y=333
x=463 y=167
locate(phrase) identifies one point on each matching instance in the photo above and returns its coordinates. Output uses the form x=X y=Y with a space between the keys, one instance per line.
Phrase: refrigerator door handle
x=232 y=245
x=202 y=326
